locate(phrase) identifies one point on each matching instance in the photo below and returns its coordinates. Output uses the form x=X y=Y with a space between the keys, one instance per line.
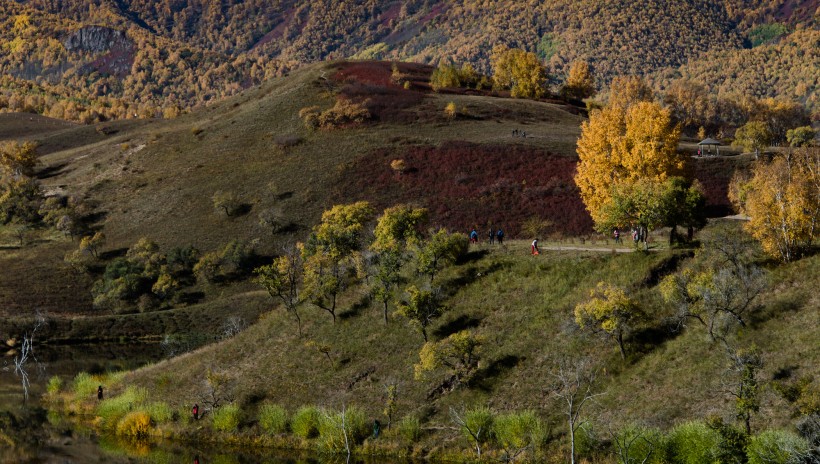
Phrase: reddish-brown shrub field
x=466 y=185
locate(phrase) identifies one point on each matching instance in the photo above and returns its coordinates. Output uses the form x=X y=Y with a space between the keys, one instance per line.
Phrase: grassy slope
x=156 y=178
x=522 y=306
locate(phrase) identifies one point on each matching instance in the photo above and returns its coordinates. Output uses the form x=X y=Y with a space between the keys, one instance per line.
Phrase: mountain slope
x=92 y=60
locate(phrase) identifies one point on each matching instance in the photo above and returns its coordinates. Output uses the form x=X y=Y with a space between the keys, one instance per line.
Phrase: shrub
x=410 y=429
x=450 y=111
x=344 y=112
x=635 y=443
x=477 y=426
x=85 y=385
x=226 y=418
x=305 y=423
x=160 y=412
x=398 y=165
x=692 y=443
x=516 y=432
x=115 y=408
x=136 y=424
x=228 y=202
x=273 y=419
x=777 y=447
x=55 y=384
x=333 y=426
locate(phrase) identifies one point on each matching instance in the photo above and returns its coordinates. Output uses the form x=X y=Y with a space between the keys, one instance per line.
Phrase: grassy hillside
x=156 y=179
x=522 y=308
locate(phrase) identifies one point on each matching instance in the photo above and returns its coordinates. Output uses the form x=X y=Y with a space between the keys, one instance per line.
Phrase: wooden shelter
x=709 y=143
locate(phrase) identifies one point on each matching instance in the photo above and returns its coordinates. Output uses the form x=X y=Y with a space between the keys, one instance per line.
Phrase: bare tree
x=26 y=352
x=574 y=385
x=626 y=444
x=743 y=383
x=476 y=424
x=232 y=326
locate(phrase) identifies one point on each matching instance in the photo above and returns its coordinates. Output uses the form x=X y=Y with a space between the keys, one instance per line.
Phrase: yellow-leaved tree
x=782 y=200
x=610 y=311
x=628 y=140
x=580 y=81
x=519 y=71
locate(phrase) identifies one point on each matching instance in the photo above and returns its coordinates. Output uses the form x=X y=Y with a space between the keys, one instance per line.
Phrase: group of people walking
x=493 y=236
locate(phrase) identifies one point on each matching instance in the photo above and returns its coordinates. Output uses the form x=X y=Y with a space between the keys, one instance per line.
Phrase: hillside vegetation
x=89 y=61
x=176 y=215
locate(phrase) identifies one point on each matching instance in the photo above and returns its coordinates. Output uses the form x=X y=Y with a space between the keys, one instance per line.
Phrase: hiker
x=99 y=393
x=515 y=132
x=500 y=236
x=377 y=428
x=534 y=247
x=473 y=236
x=491 y=235
x=195 y=411
x=617 y=234
x=635 y=235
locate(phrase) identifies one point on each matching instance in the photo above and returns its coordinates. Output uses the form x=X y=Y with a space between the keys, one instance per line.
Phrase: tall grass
x=305 y=423
x=113 y=409
x=410 y=429
x=226 y=418
x=339 y=430
x=273 y=419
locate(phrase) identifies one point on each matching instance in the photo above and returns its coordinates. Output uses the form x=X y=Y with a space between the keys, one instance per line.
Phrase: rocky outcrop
x=96 y=39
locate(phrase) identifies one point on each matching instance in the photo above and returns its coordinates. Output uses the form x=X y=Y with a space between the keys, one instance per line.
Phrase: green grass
x=274 y=419
x=226 y=418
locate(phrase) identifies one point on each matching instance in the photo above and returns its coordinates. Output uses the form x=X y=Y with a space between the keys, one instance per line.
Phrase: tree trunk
x=673 y=233
x=385 y=311
x=621 y=345
x=298 y=321
x=571 y=442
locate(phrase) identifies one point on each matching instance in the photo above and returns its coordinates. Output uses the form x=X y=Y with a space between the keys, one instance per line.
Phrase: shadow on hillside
x=191 y=298
x=111 y=254
x=94 y=218
x=458 y=324
x=51 y=171
x=485 y=379
x=664 y=268
x=647 y=339
x=467 y=277
x=242 y=210
x=355 y=309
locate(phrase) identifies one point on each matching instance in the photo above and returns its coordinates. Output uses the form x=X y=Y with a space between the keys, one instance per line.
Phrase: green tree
x=459 y=353
x=397 y=230
x=282 y=279
x=421 y=308
x=399 y=227
x=753 y=136
x=747 y=365
x=610 y=310
x=801 y=136
x=332 y=257
x=20 y=199
x=441 y=249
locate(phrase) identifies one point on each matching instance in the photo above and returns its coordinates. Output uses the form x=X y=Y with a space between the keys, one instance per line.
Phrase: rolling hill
x=158 y=179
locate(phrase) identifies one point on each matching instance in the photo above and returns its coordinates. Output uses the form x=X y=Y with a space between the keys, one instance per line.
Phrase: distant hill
x=91 y=60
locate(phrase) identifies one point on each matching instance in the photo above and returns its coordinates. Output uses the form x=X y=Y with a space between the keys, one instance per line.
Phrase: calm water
x=41 y=437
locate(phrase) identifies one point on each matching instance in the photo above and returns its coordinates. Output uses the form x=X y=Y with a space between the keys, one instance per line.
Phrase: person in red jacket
x=534 y=247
